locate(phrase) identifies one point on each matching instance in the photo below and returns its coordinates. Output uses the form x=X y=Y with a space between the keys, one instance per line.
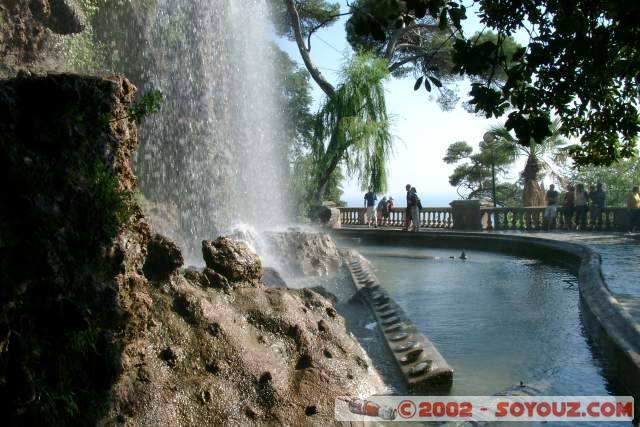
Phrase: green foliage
x=580 y=64
x=109 y=207
x=313 y=15
x=82 y=52
x=413 y=46
x=618 y=179
x=53 y=401
x=473 y=175
x=84 y=342
x=147 y=103
x=355 y=125
x=553 y=149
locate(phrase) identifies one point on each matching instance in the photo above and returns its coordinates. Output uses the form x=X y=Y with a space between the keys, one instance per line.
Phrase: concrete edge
x=421 y=364
x=601 y=305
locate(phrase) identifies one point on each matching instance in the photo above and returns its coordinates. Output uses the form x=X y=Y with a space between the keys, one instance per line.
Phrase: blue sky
x=422 y=131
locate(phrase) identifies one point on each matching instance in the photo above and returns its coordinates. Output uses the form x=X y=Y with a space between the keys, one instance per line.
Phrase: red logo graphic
x=407 y=409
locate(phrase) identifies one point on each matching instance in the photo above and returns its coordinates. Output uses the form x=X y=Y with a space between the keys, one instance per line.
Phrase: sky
x=422 y=131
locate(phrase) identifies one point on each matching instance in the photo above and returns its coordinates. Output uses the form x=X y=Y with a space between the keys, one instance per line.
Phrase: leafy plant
x=354 y=125
x=148 y=103
x=109 y=205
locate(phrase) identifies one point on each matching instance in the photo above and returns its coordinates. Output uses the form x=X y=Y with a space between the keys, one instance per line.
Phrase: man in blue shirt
x=370 y=203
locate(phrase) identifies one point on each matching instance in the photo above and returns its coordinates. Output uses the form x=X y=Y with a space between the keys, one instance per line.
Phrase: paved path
x=620 y=254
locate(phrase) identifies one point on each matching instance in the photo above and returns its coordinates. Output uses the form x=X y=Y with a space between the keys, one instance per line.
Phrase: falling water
x=216 y=152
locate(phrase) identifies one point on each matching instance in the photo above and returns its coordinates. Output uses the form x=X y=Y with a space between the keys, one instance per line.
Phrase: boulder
x=328 y=215
x=305 y=253
x=233 y=259
x=65 y=17
x=325 y=293
x=163 y=258
x=213 y=279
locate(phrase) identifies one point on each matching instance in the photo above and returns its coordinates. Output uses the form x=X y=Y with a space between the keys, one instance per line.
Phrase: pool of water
x=498 y=320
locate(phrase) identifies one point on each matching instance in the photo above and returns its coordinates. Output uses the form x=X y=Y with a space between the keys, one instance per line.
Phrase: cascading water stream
x=216 y=151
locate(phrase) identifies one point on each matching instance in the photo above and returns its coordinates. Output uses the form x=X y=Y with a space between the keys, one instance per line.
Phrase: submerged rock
x=233 y=259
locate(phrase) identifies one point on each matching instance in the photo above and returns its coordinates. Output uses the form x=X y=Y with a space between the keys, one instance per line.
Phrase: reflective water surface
x=498 y=320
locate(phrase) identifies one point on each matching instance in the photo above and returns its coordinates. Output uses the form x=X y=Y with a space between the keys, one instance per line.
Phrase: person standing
x=407 y=212
x=381 y=210
x=633 y=208
x=370 y=203
x=415 y=205
x=390 y=205
x=582 y=206
x=597 y=197
x=568 y=207
x=552 y=207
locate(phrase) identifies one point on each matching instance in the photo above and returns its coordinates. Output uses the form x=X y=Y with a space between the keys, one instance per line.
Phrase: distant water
x=428 y=200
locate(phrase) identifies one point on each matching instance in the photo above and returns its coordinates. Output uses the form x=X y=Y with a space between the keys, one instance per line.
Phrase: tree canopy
x=618 y=179
x=355 y=125
x=581 y=64
x=472 y=176
x=541 y=158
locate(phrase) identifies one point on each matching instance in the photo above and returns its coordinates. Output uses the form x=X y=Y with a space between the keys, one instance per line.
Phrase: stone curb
x=423 y=367
x=600 y=304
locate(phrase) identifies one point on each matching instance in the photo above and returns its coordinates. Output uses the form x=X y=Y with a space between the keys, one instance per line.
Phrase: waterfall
x=216 y=151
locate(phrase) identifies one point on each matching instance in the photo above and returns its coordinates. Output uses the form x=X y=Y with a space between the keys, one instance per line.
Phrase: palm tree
x=540 y=159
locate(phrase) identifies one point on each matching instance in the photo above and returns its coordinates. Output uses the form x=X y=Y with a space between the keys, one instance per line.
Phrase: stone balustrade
x=532 y=219
x=498 y=219
x=429 y=217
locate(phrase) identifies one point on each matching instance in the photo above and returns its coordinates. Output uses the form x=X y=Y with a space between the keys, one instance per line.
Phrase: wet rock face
x=99 y=343
x=271 y=278
x=24 y=24
x=163 y=258
x=305 y=253
x=65 y=17
x=233 y=259
x=67 y=213
x=265 y=358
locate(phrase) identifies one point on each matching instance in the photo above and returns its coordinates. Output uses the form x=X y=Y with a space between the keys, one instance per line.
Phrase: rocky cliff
x=99 y=323
x=26 y=26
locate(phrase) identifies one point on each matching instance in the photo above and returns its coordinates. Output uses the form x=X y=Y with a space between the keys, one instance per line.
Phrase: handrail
x=429 y=217
x=505 y=218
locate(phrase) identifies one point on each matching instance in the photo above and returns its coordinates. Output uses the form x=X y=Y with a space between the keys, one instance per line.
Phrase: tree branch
x=317 y=76
x=322 y=24
x=391 y=47
x=399 y=64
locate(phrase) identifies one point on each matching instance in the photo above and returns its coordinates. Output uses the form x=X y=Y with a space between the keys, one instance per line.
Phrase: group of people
x=578 y=202
x=381 y=214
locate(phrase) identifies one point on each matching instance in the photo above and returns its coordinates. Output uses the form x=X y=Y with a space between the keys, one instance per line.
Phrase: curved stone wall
x=604 y=317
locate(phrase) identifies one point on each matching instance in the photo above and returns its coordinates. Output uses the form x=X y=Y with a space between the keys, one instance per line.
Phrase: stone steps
x=422 y=365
